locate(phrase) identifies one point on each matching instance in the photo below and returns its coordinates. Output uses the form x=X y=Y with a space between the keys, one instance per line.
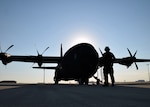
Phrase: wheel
x=86 y=81
x=56 y=82
x=83 y=81
x=80 y=81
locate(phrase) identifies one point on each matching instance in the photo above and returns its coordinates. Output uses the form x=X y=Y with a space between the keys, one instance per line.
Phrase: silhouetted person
x=108 y=58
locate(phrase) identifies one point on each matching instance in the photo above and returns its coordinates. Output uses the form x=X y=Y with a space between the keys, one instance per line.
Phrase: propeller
x=4 y=56
x=39 y=57
x=133 y=58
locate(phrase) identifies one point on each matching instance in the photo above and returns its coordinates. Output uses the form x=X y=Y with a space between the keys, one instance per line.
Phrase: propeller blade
x=136 y=66
x=37 y=52
x=33 y=64
x=44 y=50
x=134 y=54
x=9 y=48
x=129 y=52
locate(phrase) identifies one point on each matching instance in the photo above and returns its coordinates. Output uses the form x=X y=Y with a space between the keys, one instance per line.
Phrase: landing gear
x=56 y=80
x=83 y=81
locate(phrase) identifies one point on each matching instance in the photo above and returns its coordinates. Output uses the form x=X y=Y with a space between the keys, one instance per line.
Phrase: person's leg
x=105 y=77
x=112 y=77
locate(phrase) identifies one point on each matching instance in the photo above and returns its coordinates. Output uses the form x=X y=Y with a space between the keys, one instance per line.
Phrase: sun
x=81 y=38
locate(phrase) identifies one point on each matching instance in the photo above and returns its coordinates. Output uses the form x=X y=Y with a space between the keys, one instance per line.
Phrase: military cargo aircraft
x=79 y=63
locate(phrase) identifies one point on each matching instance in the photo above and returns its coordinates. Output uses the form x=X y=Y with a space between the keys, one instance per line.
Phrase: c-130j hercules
x=79 y=63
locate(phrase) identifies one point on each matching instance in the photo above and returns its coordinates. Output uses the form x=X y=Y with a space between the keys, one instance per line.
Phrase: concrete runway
x=38 y=95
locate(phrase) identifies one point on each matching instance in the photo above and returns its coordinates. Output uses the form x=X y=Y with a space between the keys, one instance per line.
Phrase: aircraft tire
x=56 y=82
x=81 y=81
x=86 y=81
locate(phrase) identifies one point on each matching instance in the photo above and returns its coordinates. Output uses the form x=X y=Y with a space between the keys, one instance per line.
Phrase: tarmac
x=67 y=95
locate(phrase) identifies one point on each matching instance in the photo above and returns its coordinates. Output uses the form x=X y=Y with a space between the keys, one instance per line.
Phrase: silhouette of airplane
x=79 y=63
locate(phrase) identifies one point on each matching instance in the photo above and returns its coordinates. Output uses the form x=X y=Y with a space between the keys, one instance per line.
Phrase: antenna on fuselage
x=101 y=51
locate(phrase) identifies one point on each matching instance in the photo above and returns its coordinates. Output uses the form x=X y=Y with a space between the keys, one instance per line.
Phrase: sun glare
x=81 y=38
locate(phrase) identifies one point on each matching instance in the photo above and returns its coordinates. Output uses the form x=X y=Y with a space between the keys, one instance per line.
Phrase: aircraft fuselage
x=79 y=63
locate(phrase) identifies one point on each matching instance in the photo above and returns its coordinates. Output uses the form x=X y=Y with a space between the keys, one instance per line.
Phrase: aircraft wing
x=43 y=59
x=121 y=60
x=142 y=60
x=45 y=67
x=33 y=59
x=7 y=58
x=128 y=61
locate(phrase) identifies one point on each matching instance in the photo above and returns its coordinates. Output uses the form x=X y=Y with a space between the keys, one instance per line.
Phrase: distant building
x=8 y=81
x=140 y=81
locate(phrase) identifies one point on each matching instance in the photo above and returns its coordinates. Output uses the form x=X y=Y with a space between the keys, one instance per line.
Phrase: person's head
x=107 y=49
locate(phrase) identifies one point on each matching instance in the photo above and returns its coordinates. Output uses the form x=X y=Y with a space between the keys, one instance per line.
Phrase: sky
x=32 y=25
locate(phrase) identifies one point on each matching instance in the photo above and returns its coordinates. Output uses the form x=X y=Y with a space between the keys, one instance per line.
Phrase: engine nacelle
x=39 y=60
x=128 y=61
x=5 y=57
